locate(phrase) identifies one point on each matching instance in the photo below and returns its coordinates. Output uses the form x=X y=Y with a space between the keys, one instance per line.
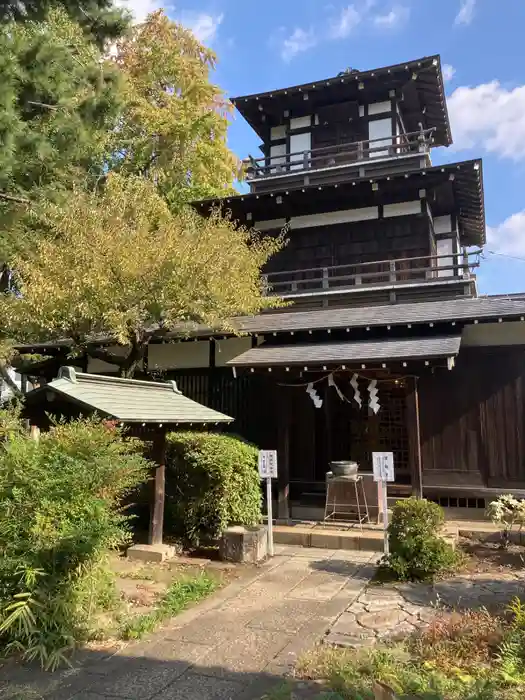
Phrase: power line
x=505 y=255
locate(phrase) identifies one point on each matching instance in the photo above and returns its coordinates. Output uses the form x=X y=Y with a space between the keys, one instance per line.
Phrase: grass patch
x=180 y=595
x=461 y=656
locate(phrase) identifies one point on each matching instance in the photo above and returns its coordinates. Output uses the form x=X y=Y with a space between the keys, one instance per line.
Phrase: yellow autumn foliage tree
x=174 y=124
x=119 y=264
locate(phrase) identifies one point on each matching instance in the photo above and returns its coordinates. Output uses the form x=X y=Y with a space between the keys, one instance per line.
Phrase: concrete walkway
x=234 y=646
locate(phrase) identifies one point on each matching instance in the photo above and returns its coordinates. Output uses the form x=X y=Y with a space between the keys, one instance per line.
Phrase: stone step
x=314 y=534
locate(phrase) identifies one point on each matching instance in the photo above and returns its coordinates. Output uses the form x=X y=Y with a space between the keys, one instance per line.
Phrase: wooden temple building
x=386 y=344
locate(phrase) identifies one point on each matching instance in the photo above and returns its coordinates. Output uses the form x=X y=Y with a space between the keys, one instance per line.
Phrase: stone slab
x=250 y=652
x=286 y=615
x=211 y=628
x=347 y=624
x=139 y=681
x=198 y=687
x=346 y=640
x=318 y=586
x=151 y=552
x=382 y=619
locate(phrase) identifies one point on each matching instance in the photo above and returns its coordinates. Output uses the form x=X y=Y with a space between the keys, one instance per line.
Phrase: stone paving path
x=236 y=645
x=393 y=612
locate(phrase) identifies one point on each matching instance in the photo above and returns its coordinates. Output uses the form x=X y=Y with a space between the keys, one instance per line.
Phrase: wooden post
x=414 y=437
x=283 y=456
x=157 y=505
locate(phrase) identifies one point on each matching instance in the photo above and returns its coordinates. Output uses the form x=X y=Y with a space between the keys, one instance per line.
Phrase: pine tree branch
x=14 y=198
x=42 y=104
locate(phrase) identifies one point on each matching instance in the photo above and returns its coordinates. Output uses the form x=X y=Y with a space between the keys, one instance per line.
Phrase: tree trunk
x=135 y=356
x=4 y=374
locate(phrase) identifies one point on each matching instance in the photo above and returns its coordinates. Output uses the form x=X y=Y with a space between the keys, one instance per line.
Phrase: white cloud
x=466 y=12
x=140 y=9
x=299 y=40
x=397 y=16
x=203 y=25
x=347 y=21
x=448 y=71
x=340 y=27
x=509 y=236
x=489 y=116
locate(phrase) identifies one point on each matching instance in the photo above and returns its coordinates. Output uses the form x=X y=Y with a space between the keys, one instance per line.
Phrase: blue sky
x=266 y=44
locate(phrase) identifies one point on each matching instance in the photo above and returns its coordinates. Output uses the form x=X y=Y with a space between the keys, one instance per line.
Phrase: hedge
x=212 y=482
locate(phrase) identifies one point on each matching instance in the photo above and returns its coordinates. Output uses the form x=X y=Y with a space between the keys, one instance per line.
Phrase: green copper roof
x=132 y=400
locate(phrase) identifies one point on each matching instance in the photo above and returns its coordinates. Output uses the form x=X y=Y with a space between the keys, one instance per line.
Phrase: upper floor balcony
x=402 y=279
x=379 y=156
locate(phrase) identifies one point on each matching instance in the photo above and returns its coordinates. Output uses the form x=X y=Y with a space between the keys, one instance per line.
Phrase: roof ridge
x=102 y=379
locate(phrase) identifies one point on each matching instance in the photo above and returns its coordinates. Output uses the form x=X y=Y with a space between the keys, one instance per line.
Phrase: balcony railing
x=380 y=273
x=340 y=155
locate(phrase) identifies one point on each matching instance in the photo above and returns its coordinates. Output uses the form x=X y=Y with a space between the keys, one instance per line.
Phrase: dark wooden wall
x=473 y=420
x=249 y=399
x=353 y=243
x=263 y=404
x=339 y=125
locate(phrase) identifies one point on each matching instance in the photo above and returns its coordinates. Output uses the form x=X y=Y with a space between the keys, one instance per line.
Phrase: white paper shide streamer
x=331 y=382
x=318 y=401
x=357 y=394
x=373 y=401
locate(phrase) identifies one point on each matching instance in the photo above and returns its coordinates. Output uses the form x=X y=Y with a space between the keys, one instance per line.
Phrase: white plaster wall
x=300 y=122
x=487 y=334
x=445 y=246
x=380 y=129
x=277 y=154
x=226 y=350
x=299 y=143
x=270 y=224
x=334 y=217
x=443 y=224
x=184 y=355
x=278 y=132
x=402 y=208
x=379 y=107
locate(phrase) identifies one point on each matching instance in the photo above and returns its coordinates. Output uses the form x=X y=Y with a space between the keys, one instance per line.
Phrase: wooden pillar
x=283 y=452
x=414 y=437
x=157 y=504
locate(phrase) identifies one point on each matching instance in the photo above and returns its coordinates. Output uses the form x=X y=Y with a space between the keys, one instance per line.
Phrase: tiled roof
x=483 y=308
x=131 y=400
x=317 y=353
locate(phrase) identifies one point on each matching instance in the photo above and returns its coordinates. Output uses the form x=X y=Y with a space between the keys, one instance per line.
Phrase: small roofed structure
x=148 y=409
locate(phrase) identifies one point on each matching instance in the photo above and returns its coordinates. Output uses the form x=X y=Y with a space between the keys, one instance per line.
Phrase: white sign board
x=268 y=464
x=383 y=466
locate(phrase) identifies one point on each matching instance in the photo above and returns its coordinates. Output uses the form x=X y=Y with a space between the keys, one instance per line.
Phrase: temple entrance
x=340 y=429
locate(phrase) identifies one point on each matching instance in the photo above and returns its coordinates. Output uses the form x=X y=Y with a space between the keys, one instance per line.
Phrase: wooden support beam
x=283 y=452
x=414 y=437
x=159 y=488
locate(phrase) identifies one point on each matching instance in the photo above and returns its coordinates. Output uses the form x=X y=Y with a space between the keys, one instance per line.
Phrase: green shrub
x=211 y=482
x=417 y=552
x=59 y=516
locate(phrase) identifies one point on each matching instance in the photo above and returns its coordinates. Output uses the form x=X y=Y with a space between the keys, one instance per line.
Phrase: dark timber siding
x=473 y=420
x=352 y=243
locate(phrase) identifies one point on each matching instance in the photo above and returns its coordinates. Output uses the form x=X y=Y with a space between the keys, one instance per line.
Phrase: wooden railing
x=419 y=270
x=342 y=154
